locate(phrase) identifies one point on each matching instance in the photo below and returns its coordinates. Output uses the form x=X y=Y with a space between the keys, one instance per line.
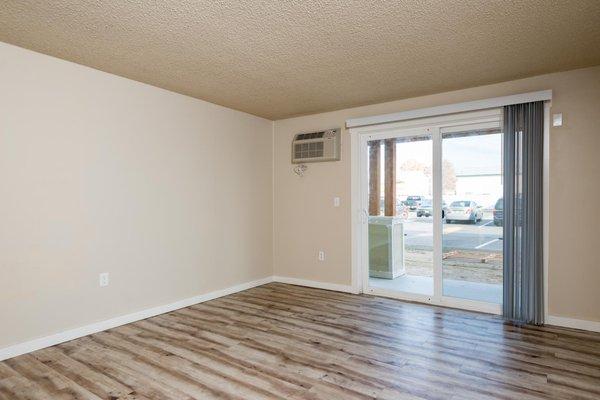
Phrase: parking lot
x=483 y=236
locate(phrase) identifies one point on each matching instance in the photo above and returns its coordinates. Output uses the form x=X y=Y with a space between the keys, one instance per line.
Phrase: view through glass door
x=434 y=205
x=401 y=236
x=472 y=233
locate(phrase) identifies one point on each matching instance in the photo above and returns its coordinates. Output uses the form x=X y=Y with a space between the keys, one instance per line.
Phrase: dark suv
x=499 y=212
x=413 y=202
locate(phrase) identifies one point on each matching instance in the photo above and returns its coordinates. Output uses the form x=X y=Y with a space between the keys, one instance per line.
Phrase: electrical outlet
x=321 y=255
x=336 y=201
x=104 y=279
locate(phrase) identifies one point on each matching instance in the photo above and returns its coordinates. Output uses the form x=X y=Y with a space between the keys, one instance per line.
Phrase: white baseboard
x=593 y=326
x=315 y=284
x=61 y=337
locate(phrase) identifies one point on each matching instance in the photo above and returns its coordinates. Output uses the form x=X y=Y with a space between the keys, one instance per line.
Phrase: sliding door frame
x=427 y=126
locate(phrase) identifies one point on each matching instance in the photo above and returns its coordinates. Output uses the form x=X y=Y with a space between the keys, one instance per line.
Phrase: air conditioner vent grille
x=308 y=150
x=314 y=135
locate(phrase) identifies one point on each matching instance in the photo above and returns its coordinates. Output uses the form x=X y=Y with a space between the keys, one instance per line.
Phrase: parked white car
x=464 y=210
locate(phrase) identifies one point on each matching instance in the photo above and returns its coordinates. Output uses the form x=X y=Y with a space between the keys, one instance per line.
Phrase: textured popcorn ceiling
x=283 y=58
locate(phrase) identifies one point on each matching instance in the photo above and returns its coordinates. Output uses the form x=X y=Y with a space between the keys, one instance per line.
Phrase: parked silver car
x=464 y=210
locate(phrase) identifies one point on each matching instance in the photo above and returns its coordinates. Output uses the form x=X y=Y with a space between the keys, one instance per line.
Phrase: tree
x=412 y=165
x=448 y=178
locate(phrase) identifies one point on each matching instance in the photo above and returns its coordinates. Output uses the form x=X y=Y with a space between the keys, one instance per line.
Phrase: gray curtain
x=523 y=217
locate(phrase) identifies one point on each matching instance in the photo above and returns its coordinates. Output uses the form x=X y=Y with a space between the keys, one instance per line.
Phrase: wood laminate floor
x=287 y=342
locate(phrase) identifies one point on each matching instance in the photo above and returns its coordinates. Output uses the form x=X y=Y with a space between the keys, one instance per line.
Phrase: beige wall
x=170 y=195
x=306 y=221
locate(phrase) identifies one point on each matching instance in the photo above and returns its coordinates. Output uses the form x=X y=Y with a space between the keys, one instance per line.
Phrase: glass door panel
x=472 y=204
x=400 y=221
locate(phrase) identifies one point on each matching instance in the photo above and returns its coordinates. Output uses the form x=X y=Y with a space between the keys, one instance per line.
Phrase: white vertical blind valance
x=451 y=108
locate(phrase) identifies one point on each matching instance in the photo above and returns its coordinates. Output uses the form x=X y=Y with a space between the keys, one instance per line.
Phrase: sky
x=469 y=155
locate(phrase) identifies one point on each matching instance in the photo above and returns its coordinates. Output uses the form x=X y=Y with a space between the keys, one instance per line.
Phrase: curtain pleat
x=523 y=216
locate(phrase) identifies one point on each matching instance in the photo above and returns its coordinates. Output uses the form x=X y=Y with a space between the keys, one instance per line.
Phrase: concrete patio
x=486 y=292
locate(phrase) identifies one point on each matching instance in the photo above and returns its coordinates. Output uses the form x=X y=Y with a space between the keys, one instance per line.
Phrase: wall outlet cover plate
x=557 y=119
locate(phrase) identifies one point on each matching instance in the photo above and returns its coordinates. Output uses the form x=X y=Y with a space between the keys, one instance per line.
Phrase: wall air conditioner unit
x=317 y=146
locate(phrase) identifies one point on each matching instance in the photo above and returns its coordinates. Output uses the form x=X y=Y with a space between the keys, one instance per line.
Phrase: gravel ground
x=472 y=266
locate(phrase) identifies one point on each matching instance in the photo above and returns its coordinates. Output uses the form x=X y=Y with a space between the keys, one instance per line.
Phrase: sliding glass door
x=432 y=211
